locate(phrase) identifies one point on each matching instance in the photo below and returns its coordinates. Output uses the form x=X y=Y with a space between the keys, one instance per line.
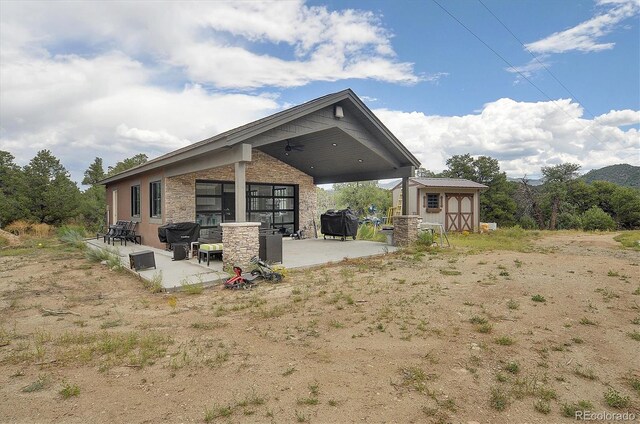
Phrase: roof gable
x=253 y=129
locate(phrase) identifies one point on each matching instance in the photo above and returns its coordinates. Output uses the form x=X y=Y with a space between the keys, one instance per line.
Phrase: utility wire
x=516 y=70
x=536 y=59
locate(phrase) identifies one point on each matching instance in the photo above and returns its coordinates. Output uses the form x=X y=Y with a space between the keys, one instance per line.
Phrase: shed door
x=459 y=212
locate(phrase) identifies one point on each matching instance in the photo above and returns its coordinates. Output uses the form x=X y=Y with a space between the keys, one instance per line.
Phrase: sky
x=532 y=83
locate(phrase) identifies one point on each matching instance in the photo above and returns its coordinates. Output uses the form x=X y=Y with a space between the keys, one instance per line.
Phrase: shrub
x=614 y=399
x=41 y=230
x=597 y=219
x=569 y=221
x=19 y=228
x=71 y=235
x=425 y=239
x=527 y=223
x=369 y=232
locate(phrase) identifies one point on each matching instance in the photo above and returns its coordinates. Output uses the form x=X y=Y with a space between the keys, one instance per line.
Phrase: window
x=433 y=201
x=135 y=201
x=155 y=197
x=275 y=206
x=209 y=207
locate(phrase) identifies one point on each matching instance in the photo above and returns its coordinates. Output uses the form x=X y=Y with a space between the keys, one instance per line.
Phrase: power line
x=516 y=70
x=537 y=60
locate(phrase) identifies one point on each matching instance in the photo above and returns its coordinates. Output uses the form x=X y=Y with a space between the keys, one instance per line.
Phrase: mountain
x=622 y=174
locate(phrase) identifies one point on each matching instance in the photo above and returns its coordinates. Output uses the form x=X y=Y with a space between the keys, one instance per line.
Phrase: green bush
x=597 y=219
x=527 y=223
x=72 y=234
x=425 y=239
x=369 y=232
x=569 y=221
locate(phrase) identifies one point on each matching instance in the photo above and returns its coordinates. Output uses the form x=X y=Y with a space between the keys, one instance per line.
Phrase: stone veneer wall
x=405 y=229
x=180 y=191
x=241 y=243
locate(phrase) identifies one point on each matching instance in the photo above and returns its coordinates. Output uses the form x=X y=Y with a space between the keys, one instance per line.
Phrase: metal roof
x=402 y=157
x=445 y=183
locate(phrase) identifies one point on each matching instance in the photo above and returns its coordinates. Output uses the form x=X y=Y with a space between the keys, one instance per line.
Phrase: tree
x=127 y=163
x=496 y=203
x=425 y=173
x=94 y=173
x=51 y=196
x=626 y=207
x=12 y=190
x=461 y=166
x=360 y=196
x=556 y=180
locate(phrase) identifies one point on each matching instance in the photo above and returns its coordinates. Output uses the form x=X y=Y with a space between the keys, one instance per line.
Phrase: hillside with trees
x=622 y=174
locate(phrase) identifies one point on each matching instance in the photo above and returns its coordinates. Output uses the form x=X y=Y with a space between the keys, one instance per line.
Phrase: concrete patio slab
x=296 y=254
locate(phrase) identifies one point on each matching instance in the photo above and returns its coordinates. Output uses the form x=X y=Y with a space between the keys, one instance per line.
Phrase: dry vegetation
x=476 y=333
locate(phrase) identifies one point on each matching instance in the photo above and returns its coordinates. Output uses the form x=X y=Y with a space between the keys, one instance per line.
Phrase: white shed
x=453 y=202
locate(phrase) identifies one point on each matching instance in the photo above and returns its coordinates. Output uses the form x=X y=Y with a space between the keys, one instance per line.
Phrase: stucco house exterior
x=263 y=173
x=452 y=202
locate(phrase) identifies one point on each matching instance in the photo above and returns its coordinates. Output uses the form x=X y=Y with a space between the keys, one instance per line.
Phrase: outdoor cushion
x=210 y=247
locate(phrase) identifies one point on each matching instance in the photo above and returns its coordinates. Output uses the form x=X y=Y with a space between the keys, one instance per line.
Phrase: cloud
x=236 y=45
x=585 y=37
x=107 y=106
x=523 y=136
x=111 y=79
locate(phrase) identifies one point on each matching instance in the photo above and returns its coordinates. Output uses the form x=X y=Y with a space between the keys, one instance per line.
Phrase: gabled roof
x=244 y=132
x=444 y=183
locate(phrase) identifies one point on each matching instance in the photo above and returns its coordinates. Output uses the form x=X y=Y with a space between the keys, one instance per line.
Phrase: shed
x=452 y=202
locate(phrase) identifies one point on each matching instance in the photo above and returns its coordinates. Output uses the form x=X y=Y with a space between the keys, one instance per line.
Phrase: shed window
x=135 y=201
x=433 y=201
x=155 y=197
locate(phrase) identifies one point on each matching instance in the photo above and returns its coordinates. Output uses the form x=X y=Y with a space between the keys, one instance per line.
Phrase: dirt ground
x=444 y=336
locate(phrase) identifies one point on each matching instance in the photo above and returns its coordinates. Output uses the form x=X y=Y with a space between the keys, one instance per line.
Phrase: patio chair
x=113 y=230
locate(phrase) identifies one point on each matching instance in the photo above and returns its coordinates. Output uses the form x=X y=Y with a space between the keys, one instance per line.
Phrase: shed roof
x=387 y=158
x=445 y=183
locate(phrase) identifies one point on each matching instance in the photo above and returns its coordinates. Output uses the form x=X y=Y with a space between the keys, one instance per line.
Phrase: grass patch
x=569 y=409
x=585 y=373
x=538 y=298
x=629 y=239
x=499 y=399
x=513 y=305
x=485 y=328
x=542 y=406
x=514 y=238
x=504 y=341
x=513 y=367
x=614 y=399
x=450 y=272
x=191 y=288
x=634 y=335
x=477 y=320
x=415 y=378
x=69 y=390
x=40 y=384
x=217 y=411
x=587 y=321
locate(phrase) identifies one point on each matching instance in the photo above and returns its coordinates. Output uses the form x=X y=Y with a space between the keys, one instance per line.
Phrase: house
x=263 y=173
x=452 y=202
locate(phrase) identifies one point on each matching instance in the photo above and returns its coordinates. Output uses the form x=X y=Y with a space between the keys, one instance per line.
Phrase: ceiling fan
x=297 y=147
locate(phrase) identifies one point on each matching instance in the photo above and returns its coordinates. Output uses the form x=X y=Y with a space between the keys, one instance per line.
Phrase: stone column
x=405 y=229
x=240 y=240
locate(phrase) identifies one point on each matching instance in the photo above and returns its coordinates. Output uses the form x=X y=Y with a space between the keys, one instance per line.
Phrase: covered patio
x=263 y=175
x=297 y=254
